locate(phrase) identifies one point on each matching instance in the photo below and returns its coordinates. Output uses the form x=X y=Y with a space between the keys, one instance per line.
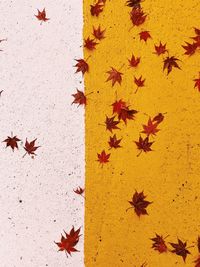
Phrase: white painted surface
x=37 y=76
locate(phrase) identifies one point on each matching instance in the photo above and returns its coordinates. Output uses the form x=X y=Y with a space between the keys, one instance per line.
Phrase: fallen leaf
x=150 y=128
x=137 y=16
x=190 y=49
x=145 y=35
x=42 y=15
x=82 y=66
x=180 y=249
x=118 y=106
x=114 y=142
x=139 y=203
x=127 y=114
x=134 y=61
x=169 y=63
x=79 y=98
x=12 y=142
x=98 y=33
x=144 y=145
x=160 y=49
x=103 y=157
x=159 y=244
x=90 y=44
x=30 y=147
x=139 y=82
x=115 y=76
x=79 y=191
x=158 y=118
x=111 y=124
x=69 y=242
x=96 y=9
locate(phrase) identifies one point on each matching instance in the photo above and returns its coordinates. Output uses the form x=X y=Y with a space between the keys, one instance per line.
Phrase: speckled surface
x=37 y=201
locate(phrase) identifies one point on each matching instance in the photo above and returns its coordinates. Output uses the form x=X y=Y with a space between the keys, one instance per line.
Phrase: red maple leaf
x=12 y=142
x=30 y=147
x=197 y=83
x=79 y=98
x=115 y=76
x=190 y=49
x=114 y=142
x=79 y=191
x=137 y=16
x=98 y=33
x=180 y=249
x=150 y=128
x=42 y=15
x=144 y=35
x=103 y=157
x=160 y=49
x=158 y=118
x=96 y=9
x=159 y=244
x=139 y=203
x=144 y=145
x=139 y=82
x=169 y=63
x=197 y=31
x=118 y=106
x=69 y=242
x=134 y=61
x=82 y=66
x=90 y=44
x=111 y=124
x=127 y=114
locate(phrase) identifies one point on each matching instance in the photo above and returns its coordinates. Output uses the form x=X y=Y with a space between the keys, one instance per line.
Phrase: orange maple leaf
x=115 y=76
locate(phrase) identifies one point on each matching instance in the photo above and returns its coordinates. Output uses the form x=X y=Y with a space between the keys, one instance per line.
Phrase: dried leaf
x=79 y=191
x=169 y=63
x=150 y=128
x=90 y=44
x=190 y=49
x=115 y=76
x=103 y=157
x=158 y=118
x=144 y=144
x=145 y=35
x=79 y=98
x=159 y=244
x=134 y=61
x=96 y=9
x=42 y=15
x=137 y=16
x=82 y=66
x=98 y=33
x=30 y=147
x=111 y=124
x=114 y=142
x=160 y=49
x=180 y=249
x=12 y=142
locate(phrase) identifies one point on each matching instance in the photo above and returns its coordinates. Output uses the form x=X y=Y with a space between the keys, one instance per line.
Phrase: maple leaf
x=158 y=118
x=118 y=106
x=150 y=128
x=144 y=145
x=139 y=82
x=42 y=15
x=96 y=9
x=160 y=49
x=197 y=262
x=197 y=83
x=115 y=76
x=69 y=242
x=12 y=142
x=82 y=66
x=127 y=114
x=197 y=31
x=159 y=244
x=98 y=33
x=180 y=249
x=144 y=35
x=137 y=16
x=30 y=147
x=134 y=61
x=79 y=98
x=114 y=142
x=103 y=157
x=139 y=203
x=79 y=190
x=134 y=3
x=90 y=44
x=169 y=63
x=111 y=124
x=190 y=48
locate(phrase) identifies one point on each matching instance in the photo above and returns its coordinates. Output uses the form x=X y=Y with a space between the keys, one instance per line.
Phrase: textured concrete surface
x=37 y=201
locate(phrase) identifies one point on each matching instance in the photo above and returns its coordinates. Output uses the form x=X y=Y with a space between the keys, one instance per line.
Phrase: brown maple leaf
x=98 y=33
x=134 y=61
x=69 y=242
x=114 y=142
x=42 y=15
x=79 y=190
x=139 y=82
x=115 y=76
x=160 y=49
x=12 y=141
x=139 y=203
x=137 y=16
x=103 y=157
x=159 y=244
x=197 y=83
x=158 y=118
x=30 y=147
x=79 y=98
x=169 y=63
x=90 y=44
x=190 y=49
x=82 y=66
x=134 y=3
x=145 y=35
x=144 y=145
x=150 y=128
x=111 y=124
x=96 y=9
x=180 y=249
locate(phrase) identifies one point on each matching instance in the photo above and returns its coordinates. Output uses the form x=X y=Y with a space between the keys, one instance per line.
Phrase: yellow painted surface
x=170 y=175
